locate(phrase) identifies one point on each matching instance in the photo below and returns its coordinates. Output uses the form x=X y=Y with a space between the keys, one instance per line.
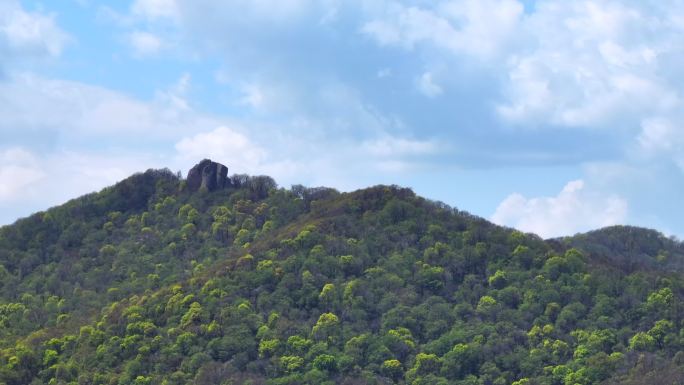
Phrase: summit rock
x=208 y=175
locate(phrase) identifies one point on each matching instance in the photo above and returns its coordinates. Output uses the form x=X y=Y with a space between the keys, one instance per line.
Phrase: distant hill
x=217 y=279
x=631 y=248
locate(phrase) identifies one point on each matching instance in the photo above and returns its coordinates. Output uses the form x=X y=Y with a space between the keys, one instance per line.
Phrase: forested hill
x=631 y=248
x=231 y=280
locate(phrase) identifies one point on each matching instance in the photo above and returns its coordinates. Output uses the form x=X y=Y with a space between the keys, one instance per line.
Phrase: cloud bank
x=358 y=92
x=573 y=210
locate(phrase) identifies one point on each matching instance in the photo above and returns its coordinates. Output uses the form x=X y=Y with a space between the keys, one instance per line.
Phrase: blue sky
x=552 y=116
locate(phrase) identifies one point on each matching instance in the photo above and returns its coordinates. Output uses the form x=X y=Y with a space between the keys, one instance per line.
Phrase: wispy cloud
x=427 y=85
x=145 y=43
x=25 y=34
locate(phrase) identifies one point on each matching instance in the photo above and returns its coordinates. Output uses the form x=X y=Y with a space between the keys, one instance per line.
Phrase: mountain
x=214 y=279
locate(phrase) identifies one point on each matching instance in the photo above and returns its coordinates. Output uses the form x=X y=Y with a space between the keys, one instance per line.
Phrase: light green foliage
x=392 y=369
x=142 y=380
x=325 y=362
x=306 y=238
x=642 y=342
x=327 y=326
x=298 y=344
x=327 y=296
x=660 y=300
x=427 y=364
x=184 y=211
x=661 y=330
x=192 y=316
x=498 y=280
x=50 y=357
x=264 y=265
x=268 y=348
x=188 y=231
x=11 y=314
x=221 y=214
x=430 y=277
x=243 y=236
x=486 y=305
x=291 y=364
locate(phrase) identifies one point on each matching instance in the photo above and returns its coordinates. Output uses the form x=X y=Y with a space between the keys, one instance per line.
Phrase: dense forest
x=150 y=282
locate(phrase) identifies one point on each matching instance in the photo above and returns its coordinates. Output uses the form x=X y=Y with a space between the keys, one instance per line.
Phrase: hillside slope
x=162 y=280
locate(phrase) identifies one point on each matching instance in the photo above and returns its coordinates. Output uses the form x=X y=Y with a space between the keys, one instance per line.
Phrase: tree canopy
x=146 y=282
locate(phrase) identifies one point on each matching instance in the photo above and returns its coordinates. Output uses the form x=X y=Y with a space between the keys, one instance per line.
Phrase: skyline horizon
x=557 y=117
x=183 y=175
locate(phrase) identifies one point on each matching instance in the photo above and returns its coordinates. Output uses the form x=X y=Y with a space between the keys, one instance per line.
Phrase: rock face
x=208 y=176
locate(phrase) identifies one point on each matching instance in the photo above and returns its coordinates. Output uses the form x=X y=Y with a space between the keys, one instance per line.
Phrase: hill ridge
x=152 y=281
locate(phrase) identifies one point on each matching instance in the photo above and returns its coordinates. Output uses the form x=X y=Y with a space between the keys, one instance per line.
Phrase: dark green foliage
x=146 y=283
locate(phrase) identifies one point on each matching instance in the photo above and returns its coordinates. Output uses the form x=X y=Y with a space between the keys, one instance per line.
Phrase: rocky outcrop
x=207 y=176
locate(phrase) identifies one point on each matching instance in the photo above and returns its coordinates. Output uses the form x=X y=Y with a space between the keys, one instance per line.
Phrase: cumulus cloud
x=573 y=210
x=583 y=64
x=225 y=145
x=84 y=138
x=473 y=27
x=95 y=137
x=34 y=181
x=591 y=64
x=77 y=120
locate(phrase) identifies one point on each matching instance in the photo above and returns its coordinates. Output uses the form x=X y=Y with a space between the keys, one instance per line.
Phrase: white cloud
x=662 y=138
x=83 y=138
x=225 y=145
x=87 y=137
x=28 y=33
x=650 y=185
x=428 y=87
x=155 y=9
x=34 y=181
x=486 y=25
x=590 y=64
x=579 y=64
x=79 y=120
x=18 y=170
x=145 y=43
x=573 y=210
x=473 y=27
x=657 y=134
x=253 y=95
x=80 y=111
